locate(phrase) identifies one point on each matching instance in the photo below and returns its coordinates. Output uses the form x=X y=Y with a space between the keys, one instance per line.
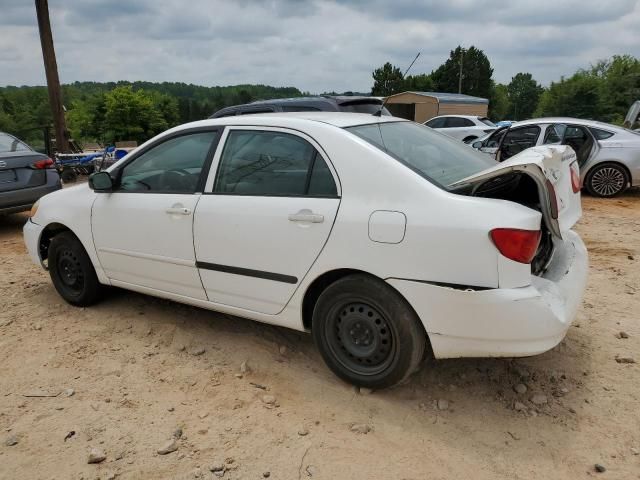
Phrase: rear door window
x=436 y=123
x=269 y=163
x=458 y=122
x=601 y=134
x=554 y=134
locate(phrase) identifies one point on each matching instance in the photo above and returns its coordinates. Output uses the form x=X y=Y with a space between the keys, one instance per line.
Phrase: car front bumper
x=32 y=233
x=503 y=322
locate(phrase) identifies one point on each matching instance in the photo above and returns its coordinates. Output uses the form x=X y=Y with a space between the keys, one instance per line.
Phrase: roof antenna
x=379 y=112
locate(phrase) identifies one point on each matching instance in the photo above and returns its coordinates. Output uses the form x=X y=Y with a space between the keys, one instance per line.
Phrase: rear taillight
x=575 y=177
x=515 y=244
x=40 y=164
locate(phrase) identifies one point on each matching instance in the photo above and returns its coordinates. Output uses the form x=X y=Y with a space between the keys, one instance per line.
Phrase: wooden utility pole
x=460 y=74
x=51 y=71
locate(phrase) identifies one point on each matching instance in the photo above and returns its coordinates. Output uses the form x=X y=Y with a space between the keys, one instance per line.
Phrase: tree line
x=112 y=111
x=604 y=92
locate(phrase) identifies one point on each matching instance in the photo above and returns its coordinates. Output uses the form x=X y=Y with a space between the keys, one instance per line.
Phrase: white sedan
x=462 y=127
x=382 y=238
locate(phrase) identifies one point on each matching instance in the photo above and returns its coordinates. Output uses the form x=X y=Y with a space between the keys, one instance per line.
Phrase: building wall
x=428 y=107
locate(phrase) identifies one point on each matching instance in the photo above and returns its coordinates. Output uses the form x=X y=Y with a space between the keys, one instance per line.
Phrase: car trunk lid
x=17 y=170
x=550 y=167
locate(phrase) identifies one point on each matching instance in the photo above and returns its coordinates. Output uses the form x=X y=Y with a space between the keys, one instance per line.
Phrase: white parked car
x=382 y=238
x=462 y=127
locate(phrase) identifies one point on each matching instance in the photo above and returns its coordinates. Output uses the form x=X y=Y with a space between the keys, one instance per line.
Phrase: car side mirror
x=477 y=144
x=101 y=182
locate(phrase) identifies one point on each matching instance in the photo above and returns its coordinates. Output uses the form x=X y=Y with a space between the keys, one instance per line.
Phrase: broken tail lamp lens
x=575 y=177
x=516 y=244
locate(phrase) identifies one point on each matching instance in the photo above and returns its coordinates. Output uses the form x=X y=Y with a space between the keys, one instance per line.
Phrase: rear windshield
x=486 y=121
x=363 y=108
x=11 y=144
x=438 y=158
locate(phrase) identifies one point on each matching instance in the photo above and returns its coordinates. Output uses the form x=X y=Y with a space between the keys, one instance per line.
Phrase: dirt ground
x=138 y=372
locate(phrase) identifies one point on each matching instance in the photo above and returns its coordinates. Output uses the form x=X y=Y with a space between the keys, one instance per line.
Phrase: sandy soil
x=131 y=362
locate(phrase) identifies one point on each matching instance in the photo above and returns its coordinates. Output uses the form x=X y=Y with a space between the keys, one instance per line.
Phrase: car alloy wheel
x=361 y=339
x=608 y=181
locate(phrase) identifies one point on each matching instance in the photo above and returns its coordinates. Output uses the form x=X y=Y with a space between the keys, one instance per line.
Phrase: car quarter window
x=173 y=166
x=457 y=122
x=601 y=134
x=256 y=162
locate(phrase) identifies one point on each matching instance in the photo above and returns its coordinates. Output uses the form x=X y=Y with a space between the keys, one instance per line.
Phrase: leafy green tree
x=499 y=105
x=621 y=86
x=524 y=93
x=476 y=73
x=387 y=80
x=578 y=96
x=419 y=83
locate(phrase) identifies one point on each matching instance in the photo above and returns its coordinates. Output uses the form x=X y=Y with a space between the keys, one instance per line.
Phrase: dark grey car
x=25 y=175
x=326 y=103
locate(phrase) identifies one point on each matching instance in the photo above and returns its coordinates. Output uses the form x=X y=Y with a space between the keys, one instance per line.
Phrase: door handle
x=306 y=216
x=178 y=211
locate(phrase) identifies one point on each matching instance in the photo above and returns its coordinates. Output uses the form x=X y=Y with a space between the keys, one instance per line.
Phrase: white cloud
x=313 y=45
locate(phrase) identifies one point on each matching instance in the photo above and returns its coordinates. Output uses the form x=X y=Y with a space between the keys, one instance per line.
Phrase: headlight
x=34 y=209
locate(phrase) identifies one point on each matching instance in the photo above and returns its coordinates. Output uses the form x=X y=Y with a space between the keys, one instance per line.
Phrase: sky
x=316 y=46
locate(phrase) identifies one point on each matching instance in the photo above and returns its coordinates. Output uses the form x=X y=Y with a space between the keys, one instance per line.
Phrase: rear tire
x=367 y=333
x=72 y=272
x=606 y=180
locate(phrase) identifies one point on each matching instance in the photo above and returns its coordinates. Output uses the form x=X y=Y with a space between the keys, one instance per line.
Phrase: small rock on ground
x=600 y=468
x=269 y=399
x=11 y=441
x=244 y=367
x=96 y=456
x=622 y=334
x=216 y=467
x=539 y=399
x=443 y=404
x=360 y=428
x=304 y=431
x=520 y=388
x=68 y=392
x=197 y=351
x=519 y=407
x=625 y=360
x=170 y=446
x=266 y=474
x=177 y=433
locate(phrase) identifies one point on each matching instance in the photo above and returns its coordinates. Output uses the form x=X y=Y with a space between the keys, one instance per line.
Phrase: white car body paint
x=474 y=130
x=445 y=243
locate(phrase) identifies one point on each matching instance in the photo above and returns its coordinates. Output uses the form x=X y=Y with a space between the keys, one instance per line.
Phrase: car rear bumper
x=22 y=199
x=503 y=322
x=32 y=233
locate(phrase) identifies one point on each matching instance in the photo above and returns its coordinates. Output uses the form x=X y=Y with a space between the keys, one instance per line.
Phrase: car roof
x=459 y=116
x=337 y=119
x=575 y=121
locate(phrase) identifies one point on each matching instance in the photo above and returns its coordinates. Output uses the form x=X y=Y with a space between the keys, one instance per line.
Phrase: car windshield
x=11 y=144
x=486 y=121
x=434 y=156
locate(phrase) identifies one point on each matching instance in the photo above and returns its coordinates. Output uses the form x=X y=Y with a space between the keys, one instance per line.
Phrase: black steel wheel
x=367 y=333
x=71 y=270
x=607 y=180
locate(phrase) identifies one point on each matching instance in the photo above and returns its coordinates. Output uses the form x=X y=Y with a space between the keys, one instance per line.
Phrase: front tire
x=606 y=180
x=367 y=333
x=72 y=272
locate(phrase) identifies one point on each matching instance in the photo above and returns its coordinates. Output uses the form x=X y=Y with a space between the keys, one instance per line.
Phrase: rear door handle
x=178 y=211
x=306 y=216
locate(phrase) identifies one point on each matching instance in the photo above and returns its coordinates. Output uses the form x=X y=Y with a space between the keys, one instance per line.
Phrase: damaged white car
x=386 y=240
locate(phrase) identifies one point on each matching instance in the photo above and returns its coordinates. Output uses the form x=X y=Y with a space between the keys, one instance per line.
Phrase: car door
x=460 y=128
x=264 y=217
x=143 y=230
x=579 y=138
x=516 y=140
